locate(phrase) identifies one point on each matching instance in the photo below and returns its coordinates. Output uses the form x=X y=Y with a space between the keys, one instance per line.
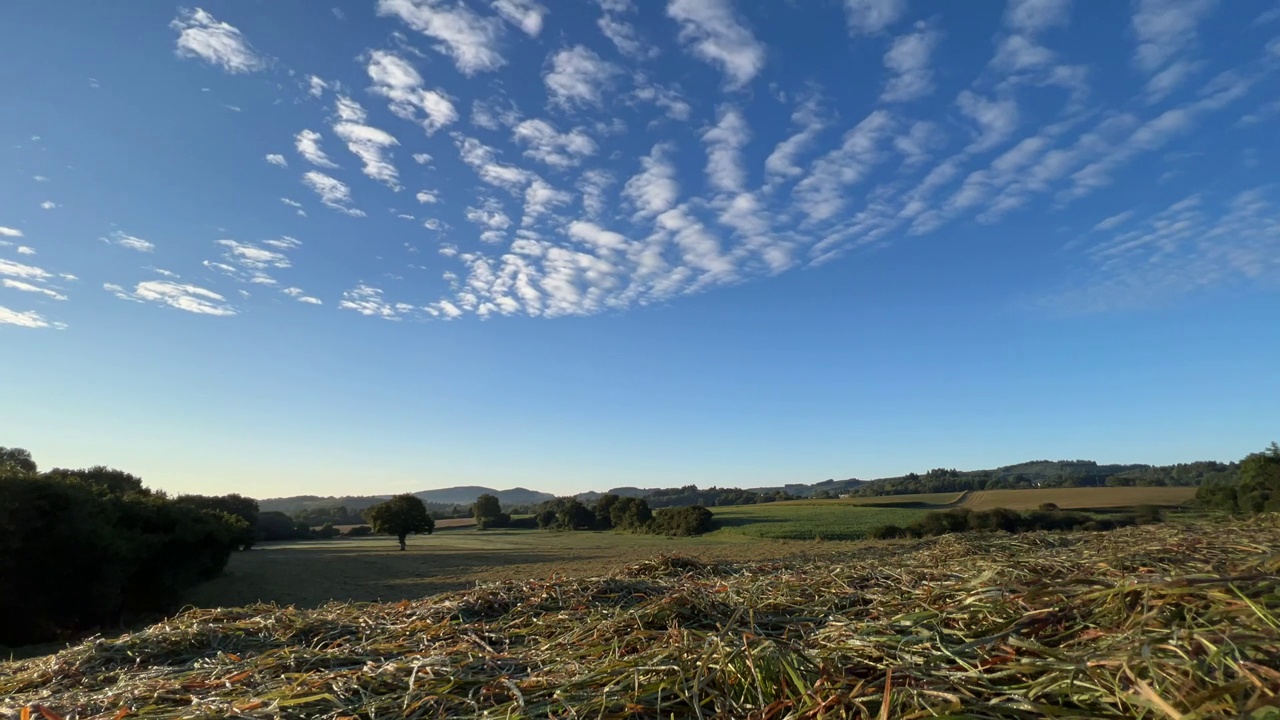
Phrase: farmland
x=976 y=625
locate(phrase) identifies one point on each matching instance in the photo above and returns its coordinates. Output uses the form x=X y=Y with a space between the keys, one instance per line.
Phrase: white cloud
x=593 y=185
x=26 y=272
x=866 y=17
x=48 y=205
x=539 y=198
x=40 y=178
x=725 y=141
x=714 y=32
x=316 y=86
x=202 y=36
x=1165 y=28
x=277 y=160
x=301 y=296
x=26 y=250
x=189 y=298
x=258 y=258
x=783 y=162
x=10 y=232
x=1031 y=16
x=130 y=242
x=471 y=40
x=578 y=77
x=368 y=143
x=548 y=145
x=421 y=158
x=621 y=33
x=489 y=215
x=996 y=119
x=907 y=62
x=524 y=14
x=1168 y=79
x=163 y=272
x=291 y=203
x=369 y=301
x=28 y=319
x=669 y=99
x=428 y=197
x=1017 y=53
x=821 y=193
x=919 y=143
x=333 y=192
x=397 y=80
x=28 y=287
x=308 y=144
x=1114 y=221
x=483 y=159
x=654 y=189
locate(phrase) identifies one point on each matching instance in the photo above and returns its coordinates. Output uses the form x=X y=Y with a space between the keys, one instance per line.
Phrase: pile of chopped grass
x=1176 y=621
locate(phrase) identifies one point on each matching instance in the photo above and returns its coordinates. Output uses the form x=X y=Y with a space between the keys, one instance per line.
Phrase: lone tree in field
x=399 y=516
x=487 y=511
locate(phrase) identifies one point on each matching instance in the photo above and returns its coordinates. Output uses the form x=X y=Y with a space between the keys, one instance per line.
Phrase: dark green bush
x=358 y=531
x=327 y=531
x=1004 y=520
x=76 y=554
x=682 y=521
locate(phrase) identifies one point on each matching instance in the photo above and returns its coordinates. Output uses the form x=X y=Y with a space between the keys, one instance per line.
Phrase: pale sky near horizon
x=293 y=247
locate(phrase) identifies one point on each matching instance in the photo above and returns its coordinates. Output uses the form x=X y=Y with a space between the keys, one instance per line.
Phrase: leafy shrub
x=501 y=520
x=80 y=554
x=1049 y=507
x=1006 y=520
x=327 y=531
x=358 y=531
x=683 y=521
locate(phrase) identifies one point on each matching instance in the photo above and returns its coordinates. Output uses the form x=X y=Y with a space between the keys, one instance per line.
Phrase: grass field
x=458 y=556
x=1175 y=620
x=808 y=520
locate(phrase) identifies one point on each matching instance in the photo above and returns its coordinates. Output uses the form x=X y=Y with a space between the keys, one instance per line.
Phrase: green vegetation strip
x=1161 y=621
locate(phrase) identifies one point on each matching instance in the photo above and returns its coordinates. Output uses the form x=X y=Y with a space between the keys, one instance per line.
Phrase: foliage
x=236 y=505
x=16 y=461
x=273 y=525
x=958 y=520
x=685 y=521
x=1255 y=489
x=328 y=531
x=400 y=516
x=487 y=511
x=87 y=549
x=358 y=531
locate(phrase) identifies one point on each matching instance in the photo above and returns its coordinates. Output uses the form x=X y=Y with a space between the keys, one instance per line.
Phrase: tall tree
x=399 y=516
x=16 y=461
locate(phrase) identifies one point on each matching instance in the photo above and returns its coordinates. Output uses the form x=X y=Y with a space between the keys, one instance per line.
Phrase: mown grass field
x=458 y=556
x=1174 y=620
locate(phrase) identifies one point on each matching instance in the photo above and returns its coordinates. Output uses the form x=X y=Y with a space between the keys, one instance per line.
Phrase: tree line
x=1254 y=488
x=91 y=548
x=607 y=512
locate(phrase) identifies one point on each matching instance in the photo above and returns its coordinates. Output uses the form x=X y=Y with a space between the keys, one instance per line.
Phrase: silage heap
x=1176 y=621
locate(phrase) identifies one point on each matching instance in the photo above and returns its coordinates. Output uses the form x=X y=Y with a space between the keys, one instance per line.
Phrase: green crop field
x=808 y=520
x=1080 y=498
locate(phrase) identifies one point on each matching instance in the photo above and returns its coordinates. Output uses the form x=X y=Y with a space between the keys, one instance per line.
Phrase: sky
x=283 y=247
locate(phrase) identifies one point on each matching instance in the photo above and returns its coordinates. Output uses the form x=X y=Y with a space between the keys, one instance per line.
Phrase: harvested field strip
x=1161 y=621
x=1086 y=497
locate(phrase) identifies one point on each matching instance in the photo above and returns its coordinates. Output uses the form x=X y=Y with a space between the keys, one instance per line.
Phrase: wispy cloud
x=1032 y=16
x=544 y=143
x=202 y=36
x=26 y=250
x=469 y=39
x=907 y=64
x=188 y=298
x=333 y=193
x=713 y=32
x=370 y=301
x=130 y=242
x=822 y=193
x=301 y=296
x=10 y=232
x=48 y=205
x=397 y=80
x=867 y=17
x=725 y=170
x=307 y=143
x=622 y=33
x=654 y=189
x=1165 y=28
x=783 y=162
x=524 y=14
x=29 y=288
x=370 y=144
x=12 y=269
x=578 y=76
x=27 y=319
x=277 y=160
x=483 y=160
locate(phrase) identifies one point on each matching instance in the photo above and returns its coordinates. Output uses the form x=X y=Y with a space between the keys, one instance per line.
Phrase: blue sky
x=299 y=247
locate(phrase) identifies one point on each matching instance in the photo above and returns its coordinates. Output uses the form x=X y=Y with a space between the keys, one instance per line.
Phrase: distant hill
x=1035 y=473
x=468 y=494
